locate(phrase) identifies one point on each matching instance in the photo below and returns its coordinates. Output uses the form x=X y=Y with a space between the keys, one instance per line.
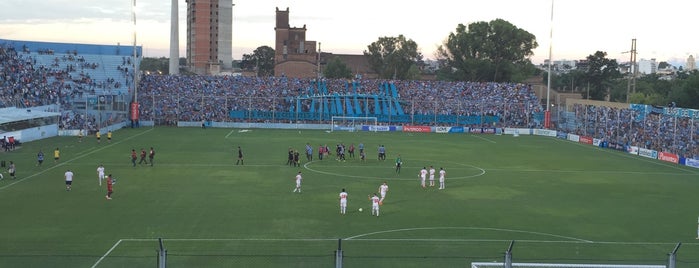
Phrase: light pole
x=547 y=115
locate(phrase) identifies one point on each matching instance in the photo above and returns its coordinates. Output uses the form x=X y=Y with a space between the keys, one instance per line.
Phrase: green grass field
x=560 y=201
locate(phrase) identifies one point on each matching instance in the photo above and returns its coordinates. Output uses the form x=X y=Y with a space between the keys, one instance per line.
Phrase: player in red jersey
x=110 y=189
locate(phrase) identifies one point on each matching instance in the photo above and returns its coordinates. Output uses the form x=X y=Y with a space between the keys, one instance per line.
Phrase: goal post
x=351 y=123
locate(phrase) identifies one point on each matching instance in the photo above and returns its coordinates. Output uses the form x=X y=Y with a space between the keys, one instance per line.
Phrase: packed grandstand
x=93 y=85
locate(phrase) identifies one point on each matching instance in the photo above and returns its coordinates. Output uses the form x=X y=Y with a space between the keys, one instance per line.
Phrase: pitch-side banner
x=449 y=130
x=417 y=129
x=545 y=132
x=520 y=131
x=585 y=139
x=669 y=157
x=573 y=137
x=442 y=129
x=648 y=153
x=692 y=163
x=379 y=128
x=484 y=130
x=632 y=150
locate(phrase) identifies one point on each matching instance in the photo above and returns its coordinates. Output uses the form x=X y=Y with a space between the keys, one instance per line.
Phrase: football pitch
x=561 y=202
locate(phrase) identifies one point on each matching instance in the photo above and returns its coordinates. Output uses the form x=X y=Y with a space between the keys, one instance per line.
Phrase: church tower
x=294 y=56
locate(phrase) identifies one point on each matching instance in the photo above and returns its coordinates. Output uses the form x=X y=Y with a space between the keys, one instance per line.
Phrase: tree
x=601 y=72
x=393 y=57
x=337 y=69
x=155 y=65
x=493 y=51
x=261 y=61
x=687 y=95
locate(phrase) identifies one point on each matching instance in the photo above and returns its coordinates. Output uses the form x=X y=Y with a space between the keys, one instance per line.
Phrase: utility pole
x=633 y=70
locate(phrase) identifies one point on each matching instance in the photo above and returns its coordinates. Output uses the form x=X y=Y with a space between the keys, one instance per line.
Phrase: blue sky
x=664 y=29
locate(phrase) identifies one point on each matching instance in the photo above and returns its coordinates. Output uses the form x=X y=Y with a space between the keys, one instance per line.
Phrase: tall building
x=691 y=63
x=209 y=35
x=647 y=66
x=294 y=56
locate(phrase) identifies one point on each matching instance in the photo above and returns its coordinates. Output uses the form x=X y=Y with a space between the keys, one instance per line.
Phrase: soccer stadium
x=249 y=171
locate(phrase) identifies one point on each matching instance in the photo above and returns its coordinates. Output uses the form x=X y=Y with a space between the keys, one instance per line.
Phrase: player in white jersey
x=442 y=173
x=432 y=171
x=382 y=191
x=343 y=202
x=298 y=182
x=374 y=204
x=423 y=175
x=69 y=179
x=100 y=174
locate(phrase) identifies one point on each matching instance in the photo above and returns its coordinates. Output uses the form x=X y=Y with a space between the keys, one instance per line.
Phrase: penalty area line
x=107 y=253
x=485 y=139
x=229 y=134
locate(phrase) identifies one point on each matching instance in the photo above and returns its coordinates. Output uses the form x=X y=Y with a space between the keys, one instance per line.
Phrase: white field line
x=107 y=253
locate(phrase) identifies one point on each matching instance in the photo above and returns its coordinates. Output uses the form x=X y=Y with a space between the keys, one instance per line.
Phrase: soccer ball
x=360 y=209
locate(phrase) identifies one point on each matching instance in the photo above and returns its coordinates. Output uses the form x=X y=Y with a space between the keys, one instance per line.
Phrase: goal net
x=560 y=265
x=351 y=123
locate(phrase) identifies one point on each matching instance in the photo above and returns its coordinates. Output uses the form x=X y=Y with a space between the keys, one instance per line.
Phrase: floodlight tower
x=547 y=113
x=174 y=39
x=633 y=70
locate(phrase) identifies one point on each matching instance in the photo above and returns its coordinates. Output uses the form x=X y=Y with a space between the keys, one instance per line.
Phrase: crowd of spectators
x=195 y=98
x=655 y=131
x=36 y=79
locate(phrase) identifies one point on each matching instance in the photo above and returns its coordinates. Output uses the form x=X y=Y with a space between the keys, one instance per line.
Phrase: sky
x=665 y=30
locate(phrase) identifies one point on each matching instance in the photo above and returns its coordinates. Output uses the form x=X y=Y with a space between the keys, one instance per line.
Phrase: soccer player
x=100 y=174
x=321 y=152
x=290 y=160
x=298 y=179
x=362 y=156
x=133 y=157
x=12 y=169
x=361 y=147
x=350 y=150
x=39 y=158
x=56 y=155
x=309 y=152
x=343 y=202
x=296 y=158
x=382 y=190
x=432 y=171
x=109 y=136
x=382 y=153
x=69 y=179
x=240 y=156
x=442 y=173
x=151 y=155
x=399 y=162
x=110 y=187
x=80 y=135
x=374 y=204
x=143 y=157
x=423 y=175
x=98 y=135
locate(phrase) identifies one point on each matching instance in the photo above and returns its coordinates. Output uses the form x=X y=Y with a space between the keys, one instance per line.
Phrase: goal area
x=351 y=123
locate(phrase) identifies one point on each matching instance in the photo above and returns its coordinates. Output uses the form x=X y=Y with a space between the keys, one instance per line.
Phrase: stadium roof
x=15 y=114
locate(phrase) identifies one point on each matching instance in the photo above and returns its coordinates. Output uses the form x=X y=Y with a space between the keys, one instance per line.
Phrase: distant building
x=294 y=56
x=647 y=66
x=209 y=35
x=691 y=63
